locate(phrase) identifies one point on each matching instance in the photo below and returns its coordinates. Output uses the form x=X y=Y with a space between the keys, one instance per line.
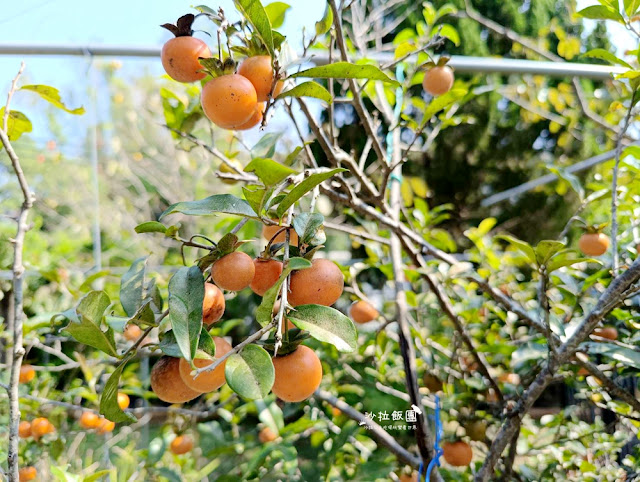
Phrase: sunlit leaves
x=345 y=70
x=308 y=89
x=326 y=324
x=52 y=95
x=85 y=324
x=218 y=203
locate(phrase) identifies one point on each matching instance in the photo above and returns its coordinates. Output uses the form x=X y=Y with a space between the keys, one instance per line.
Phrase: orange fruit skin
x=259 y=71
x=89 y=420
x=41 y=426
x=321 y=284
x=267 y=272
x=180 y=58
x=438 y=80
x=229 y=100
x=123 y=400
x=105 y=426
x=269 y=232
x=132 y=332
x=583 y=372
x=298 y=375
x=254 y=120
x=27 y=373
x=181 y=445
x=511 y=378
x=458 y=454
x=363 y=312
x=608 y=332
x=267 y=435
x=167 y=384
x=594 y=244
x=409 y=478
x=207 y=381
x=234 y=271
x=24 y=429
x=213 y=305
x=27 y=473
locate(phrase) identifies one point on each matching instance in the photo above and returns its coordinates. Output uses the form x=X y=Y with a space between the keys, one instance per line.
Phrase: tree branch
x=17 y=350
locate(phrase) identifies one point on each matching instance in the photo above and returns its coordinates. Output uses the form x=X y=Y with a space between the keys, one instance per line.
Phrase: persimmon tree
x=488 y=323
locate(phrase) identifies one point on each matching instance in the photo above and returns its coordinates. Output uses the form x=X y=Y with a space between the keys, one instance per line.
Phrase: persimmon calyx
x=215 y=68
x=182 y=28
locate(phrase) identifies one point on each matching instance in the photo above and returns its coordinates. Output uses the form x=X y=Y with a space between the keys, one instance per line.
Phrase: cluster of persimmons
x=297 y=373
x=231 y=99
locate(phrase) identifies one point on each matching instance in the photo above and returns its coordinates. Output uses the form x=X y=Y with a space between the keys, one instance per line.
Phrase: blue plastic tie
x=438 y=451
x=397 y=110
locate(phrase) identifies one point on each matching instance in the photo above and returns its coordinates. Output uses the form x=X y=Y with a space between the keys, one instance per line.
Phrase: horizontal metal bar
x=81 y=50
x=547 y=178
x=462 y=64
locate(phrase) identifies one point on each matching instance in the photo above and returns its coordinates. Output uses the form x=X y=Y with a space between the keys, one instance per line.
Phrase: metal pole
x=462 y=64
x=528 y=186
x=97 y=241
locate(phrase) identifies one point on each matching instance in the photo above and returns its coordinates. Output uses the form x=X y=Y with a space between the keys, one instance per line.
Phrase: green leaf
x=622 y=354
x=266 y=146
x=86 y=327
x=442 y=102
x=326 y=324
x=17 y=124
x=447 y=31
x=521 y=245
x=303 y=188
x=308 y=89
x=567 y=258
x=52 y=95
x=546 y=249
x=250 y=373
x=631 y=7
x=607 y=56
x=256 y=15
x=571 y=179
x=257 y=197
x=109 y=399
x=265 y=310
x=132 y=286
x=186 y=293
x=600 y=12
x=323 y=25
x=144 y=315
x=309 y=228
x=276 y=12
x=218 y=203
x=269 y=171
x=346 y=70
x=96 y=475
x=151 y=227
x=293 y=155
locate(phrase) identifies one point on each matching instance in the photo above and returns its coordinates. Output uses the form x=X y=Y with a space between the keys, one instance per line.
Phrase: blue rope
x=437 y=449
x=397 y=110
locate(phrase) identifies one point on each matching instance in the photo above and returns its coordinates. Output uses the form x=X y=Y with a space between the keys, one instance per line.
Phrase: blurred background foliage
x=513 y=129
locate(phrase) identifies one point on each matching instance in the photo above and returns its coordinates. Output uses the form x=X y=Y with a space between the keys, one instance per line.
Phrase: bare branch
x=17 y=350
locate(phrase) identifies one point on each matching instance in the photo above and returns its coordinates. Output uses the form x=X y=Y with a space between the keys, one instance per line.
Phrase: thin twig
x=250 y=339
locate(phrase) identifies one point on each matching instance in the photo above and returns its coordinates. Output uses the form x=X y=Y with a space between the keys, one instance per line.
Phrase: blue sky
x=114 y=22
